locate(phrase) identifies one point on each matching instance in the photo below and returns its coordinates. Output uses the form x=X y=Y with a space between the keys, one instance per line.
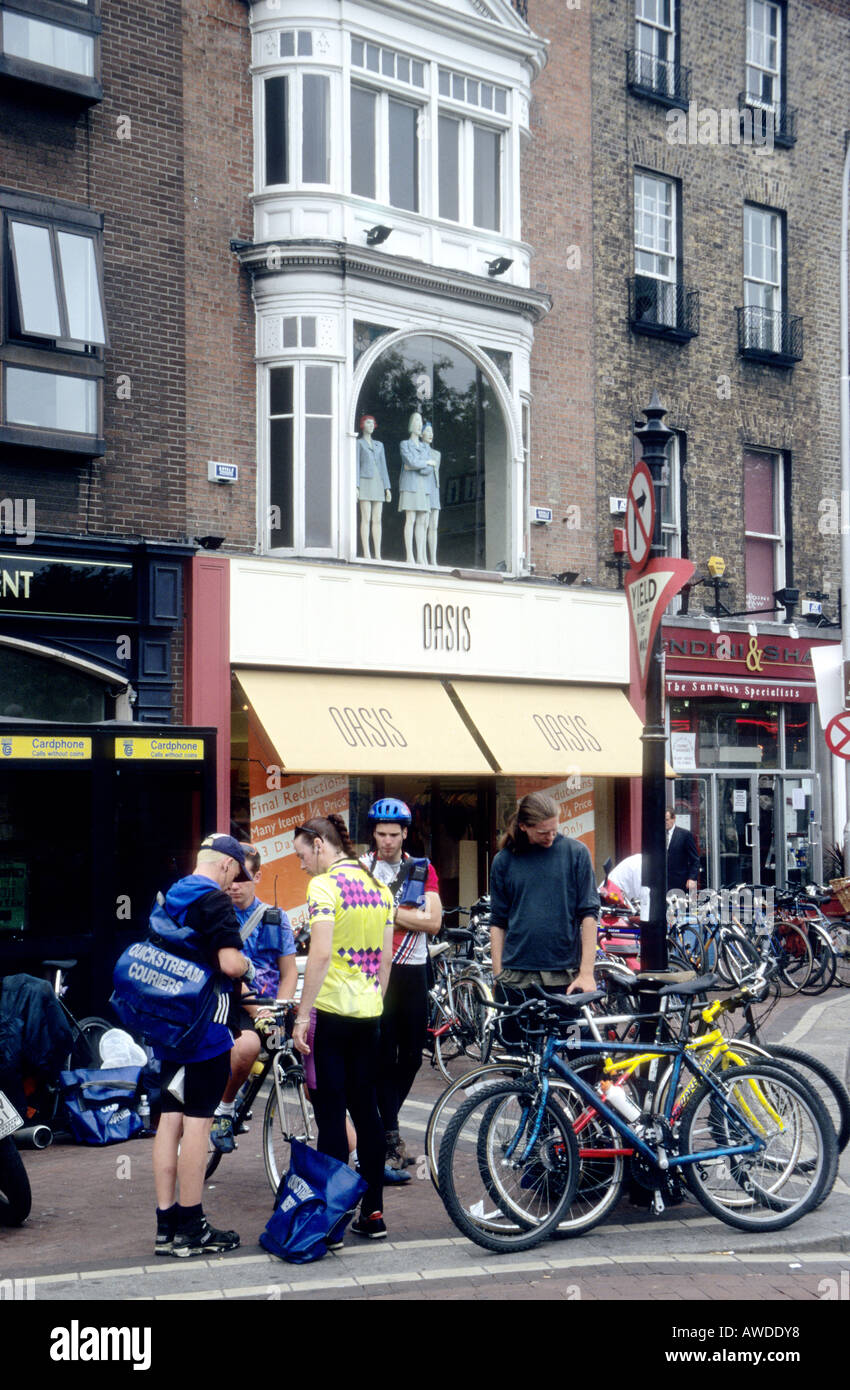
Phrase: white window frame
x=760 y=292
x=295 y=128
x=653 y=246
x=777 y=535
x=659 y=73
x=299 y=366
x=383 y=96
x=466 y=169
x=758 y=12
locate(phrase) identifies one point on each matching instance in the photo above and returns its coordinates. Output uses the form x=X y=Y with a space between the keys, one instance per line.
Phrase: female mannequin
x=413 y=496
x=433 y=495
x=373 y=486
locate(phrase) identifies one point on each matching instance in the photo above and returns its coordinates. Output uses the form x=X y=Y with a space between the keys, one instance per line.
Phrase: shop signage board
x=164 y=750
x=648 y=592
x=640 y=516
x=47 y=748
x=838 y=735
x=50 y=586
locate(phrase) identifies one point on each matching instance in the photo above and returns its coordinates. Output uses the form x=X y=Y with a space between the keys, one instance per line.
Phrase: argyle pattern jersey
x=361 y=910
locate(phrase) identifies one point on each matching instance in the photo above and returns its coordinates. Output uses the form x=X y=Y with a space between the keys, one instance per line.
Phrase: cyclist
x=271 y=947
x=351 y=925
x=405 y=1017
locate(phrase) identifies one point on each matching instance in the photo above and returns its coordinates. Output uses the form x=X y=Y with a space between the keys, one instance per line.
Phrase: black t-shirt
x=214 y=919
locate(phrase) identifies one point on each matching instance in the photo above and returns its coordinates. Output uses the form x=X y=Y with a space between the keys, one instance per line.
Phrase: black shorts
x=203 y=1086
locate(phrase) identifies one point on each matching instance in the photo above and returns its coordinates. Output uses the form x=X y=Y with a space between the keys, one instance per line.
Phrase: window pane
x=404 y=164
x=82 y=288
x=357 y=52
x=280 y=390
x=501 y=100
x=280 y=481
x=418 y=74
x=317 y=390
x=387 y=62
x=373 y=54
x=759 y=501
x=362 y=142
x=290 y=332
x=458 y=87
x=797 y=746
x=38 y=301
x=445 y=82
x=449 y=133
x=317 y=480
x=487 y=194
x=487 y=95
x=305 y=43
x=277 y=132
x=403 y=69
x=472 y=92
x=50 y=401
x=287 y=45
x=315 y=146
x=760 y=566
x=50 y=44
x=308 y=331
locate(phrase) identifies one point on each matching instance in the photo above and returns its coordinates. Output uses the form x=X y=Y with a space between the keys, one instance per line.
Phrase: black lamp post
x=654 y=438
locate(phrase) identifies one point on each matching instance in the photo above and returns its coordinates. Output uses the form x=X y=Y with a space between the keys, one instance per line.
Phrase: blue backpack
x=164 y=990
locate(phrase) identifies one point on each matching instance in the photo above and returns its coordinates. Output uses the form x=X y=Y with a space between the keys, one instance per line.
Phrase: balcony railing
x=658 y=78
x=767 y=123
x=769 y=335
x=663 y=309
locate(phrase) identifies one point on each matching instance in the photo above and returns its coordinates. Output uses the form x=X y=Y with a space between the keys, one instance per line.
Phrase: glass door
x=738 y=831
x=797 y=829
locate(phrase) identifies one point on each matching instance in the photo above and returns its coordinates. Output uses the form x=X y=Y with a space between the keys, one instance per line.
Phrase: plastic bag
x=117 y=1049
x=316 y=1198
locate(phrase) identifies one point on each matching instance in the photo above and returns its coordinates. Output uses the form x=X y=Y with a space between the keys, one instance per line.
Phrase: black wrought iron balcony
x=658 y=78
x=663 y=309
x=769 y=335
x=767 y=123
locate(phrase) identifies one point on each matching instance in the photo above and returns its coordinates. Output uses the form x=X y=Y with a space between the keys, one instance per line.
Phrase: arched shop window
x=34 y=687
x=466 y=504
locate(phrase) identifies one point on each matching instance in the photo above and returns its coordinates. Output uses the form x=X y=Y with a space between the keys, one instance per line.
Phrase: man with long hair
x=544 y=903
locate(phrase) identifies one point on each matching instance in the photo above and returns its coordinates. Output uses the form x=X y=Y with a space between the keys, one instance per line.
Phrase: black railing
x=658 y=78
x=663 y=309
x=769 y=335
x=767 y=123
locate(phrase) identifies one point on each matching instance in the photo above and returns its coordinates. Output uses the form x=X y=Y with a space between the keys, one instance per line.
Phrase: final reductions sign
x=649 y=591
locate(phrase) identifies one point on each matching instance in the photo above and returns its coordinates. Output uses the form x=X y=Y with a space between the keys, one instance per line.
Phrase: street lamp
x=654 y=438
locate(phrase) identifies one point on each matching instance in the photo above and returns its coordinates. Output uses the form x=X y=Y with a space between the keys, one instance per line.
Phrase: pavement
x=90 y=1235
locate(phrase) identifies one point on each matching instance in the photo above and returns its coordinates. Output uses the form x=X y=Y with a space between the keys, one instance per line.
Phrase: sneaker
x=394 y=1176
x=372 y=1227
x=164 y=1236
x=221 y=1134
x=201 y=1239
x=334 y=1240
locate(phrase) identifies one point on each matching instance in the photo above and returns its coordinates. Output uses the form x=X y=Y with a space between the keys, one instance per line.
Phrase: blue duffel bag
x=315 y=1200
x=101 y=1105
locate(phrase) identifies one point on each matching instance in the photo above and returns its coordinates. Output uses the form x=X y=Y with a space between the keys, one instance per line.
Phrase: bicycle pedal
x=657 y=1203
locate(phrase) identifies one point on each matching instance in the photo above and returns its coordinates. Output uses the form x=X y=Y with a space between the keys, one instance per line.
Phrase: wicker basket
x=841 y=889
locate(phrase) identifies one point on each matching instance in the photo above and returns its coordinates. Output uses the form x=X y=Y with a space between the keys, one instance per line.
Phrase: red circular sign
x=640 y=515
x=838 y=735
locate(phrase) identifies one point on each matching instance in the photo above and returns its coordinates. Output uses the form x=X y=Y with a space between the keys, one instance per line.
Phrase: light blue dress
x=413 y=482
x=373 y=479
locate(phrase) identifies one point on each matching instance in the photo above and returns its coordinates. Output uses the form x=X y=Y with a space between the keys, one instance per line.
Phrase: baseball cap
x=225 y=844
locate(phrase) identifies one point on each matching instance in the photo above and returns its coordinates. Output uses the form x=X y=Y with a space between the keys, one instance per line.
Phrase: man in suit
x=682 y=856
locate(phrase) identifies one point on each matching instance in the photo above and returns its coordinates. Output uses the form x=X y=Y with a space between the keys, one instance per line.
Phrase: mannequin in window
x=413 y=490
x=433 y=480
x=373 y=486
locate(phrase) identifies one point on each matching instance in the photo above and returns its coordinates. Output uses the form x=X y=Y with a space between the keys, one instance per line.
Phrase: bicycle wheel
x=829 y=1089
x=824 y=964
x=795 y=956
x=453 y=1097
x=841 y=947
x=790 y=1172
x=503 y=1185
x=736 y=958
x=601 y=1153
x=85 y=1052
x=472 y=996
x=288 y=1116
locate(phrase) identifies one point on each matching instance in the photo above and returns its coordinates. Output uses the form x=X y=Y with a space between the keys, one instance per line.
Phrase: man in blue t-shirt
x=270 y=946
x=543 y=902
x=191 y=1082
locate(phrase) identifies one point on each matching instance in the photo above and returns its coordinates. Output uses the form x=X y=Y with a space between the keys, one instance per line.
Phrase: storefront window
x=798 y=751
x=450 y=486
x=743 y=733
x=33 y=687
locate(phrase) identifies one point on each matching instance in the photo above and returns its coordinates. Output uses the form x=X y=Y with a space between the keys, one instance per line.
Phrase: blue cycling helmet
x=388 y=809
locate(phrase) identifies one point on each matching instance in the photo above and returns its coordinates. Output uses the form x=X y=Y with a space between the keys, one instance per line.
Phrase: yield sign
x=838 y=735
x=649 y=591
x=640 y=515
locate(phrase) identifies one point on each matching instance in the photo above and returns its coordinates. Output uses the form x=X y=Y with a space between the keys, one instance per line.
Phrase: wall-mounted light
x=567 y=576
x=210 y=542
x=237 y=245
x=499 y=265
x=375 y=235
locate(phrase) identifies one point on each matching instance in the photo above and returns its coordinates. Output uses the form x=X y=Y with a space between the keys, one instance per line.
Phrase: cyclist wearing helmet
x=405 y=1017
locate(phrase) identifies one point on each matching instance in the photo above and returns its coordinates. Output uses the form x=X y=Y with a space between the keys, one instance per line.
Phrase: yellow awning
x=362 y=724
x=538 y=730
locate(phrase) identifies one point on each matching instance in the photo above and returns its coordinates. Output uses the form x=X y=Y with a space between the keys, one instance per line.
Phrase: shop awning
x=538 y=730
x=362 y=724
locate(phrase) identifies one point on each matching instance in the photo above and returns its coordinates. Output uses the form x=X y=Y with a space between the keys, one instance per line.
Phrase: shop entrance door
x=768 y=829
x=737 y=830
x=797 y=831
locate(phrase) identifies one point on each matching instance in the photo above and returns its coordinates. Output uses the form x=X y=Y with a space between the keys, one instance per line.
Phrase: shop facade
x=752 y=777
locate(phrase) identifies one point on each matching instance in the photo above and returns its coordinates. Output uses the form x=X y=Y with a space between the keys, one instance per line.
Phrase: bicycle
x=459 y=1014
x=510 y=1162
x=288 y=1114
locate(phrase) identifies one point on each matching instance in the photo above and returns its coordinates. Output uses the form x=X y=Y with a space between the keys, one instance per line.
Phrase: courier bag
x=101 y=1105
x=163 y=988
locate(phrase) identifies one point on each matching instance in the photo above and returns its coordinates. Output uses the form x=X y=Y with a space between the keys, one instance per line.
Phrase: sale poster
x=574 y=798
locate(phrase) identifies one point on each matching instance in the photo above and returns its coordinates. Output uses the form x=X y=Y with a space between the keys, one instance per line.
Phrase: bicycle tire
x=736 y=958
x=85 y=1052
x=282 y=1124
x=15 y=1190
x=461 y=1085
x=472 y=995
x=824 y=963
x=546 y=1175
x=841 y=948
x=778 y=1188
x=839 y=1108
x=795 y=964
